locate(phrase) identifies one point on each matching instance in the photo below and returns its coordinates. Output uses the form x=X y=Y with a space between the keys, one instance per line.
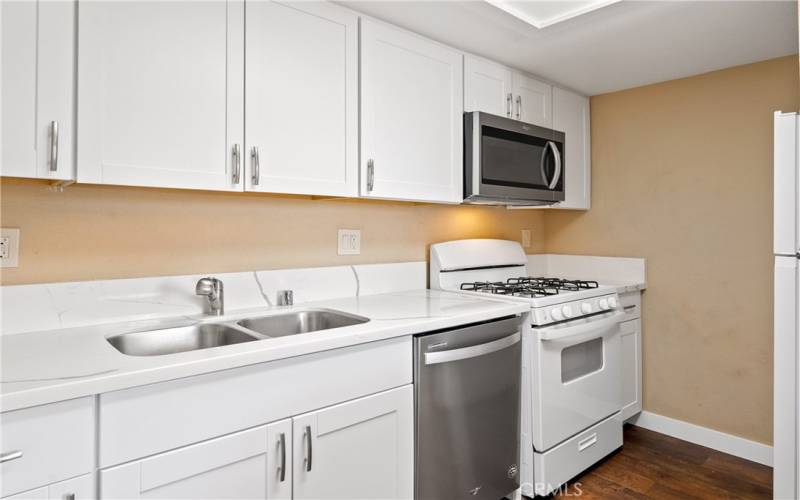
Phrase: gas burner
x=531 y=290
x=556 y=283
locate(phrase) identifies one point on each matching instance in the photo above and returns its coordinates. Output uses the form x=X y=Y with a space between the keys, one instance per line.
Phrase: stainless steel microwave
x=509 y=162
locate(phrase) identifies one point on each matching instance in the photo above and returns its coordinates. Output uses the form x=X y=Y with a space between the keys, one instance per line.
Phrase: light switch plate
x=526 y=238
x=9 y=247
x=349 y=242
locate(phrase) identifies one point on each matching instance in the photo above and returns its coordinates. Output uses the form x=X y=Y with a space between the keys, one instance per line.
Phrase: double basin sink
x=208 y=335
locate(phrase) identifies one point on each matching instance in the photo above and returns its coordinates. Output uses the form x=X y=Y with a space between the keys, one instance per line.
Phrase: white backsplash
x=606 y=270
x=50 y=306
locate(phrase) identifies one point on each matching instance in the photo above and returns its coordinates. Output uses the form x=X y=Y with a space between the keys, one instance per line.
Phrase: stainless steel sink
x=312 y=320
x=182 y=339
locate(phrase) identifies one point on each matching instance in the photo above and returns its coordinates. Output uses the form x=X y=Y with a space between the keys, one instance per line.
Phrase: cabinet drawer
x=56 y=442
x=556 y=466
x=233 y=466
x=631 y=303
x=146 y=420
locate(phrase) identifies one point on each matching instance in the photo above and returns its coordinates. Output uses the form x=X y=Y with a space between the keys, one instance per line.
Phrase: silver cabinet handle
x=432 y=358
x=509 y=97
x=237 y=164
x=519 y=106
x=11 y=455
x=282 y=443
x=53 y=146
x=69 y=496
x=370 y=174
x=309 y=447
x=256 y=165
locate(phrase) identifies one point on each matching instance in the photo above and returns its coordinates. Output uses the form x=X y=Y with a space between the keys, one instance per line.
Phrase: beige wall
x=94 y=232
x=682 y=175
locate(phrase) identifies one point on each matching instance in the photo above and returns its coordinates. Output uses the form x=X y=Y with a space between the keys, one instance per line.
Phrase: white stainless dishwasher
x=467 y=398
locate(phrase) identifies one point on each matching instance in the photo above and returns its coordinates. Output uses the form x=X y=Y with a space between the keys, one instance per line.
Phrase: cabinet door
x=38 y=84
x=230 y=467
x=411 y=116
x=160 y=89
x=77 y=488
x=360 y=449
x=302 y=98
x=487 y=87
x=533 y=101
x=571 y=116
x=631 y=368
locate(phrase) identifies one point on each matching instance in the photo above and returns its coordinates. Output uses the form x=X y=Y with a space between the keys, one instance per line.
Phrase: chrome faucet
x=212 y=288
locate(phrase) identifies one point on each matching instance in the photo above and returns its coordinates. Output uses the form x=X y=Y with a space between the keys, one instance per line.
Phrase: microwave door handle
x=541 y=163
x=557 y=155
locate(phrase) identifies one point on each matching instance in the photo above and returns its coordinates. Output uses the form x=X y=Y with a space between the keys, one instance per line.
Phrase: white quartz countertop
x=43 y=367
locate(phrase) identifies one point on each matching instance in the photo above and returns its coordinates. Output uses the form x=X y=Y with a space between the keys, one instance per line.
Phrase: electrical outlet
x=9 y=247
x=349 y=241
x=526 y=238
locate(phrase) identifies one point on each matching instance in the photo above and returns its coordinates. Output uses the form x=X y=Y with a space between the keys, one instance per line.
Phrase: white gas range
x=572 y=372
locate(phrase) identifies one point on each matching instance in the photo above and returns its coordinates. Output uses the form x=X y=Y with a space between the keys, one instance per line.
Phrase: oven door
x=577 y=377
x=511 y=161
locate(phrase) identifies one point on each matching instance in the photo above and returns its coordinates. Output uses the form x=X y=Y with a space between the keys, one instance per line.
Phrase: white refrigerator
x=787 y=306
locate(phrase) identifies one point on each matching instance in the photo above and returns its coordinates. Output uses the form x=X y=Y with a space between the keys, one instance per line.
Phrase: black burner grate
x=529 y=286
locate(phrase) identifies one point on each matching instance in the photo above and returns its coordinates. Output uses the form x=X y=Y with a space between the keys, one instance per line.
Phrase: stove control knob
x=612 y=302
x=566 y=311
x=603 y=304
x=586 y=308
x=556 y=314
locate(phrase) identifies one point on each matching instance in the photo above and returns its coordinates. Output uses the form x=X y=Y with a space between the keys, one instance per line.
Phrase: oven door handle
x=473 y=351
x=591 y=329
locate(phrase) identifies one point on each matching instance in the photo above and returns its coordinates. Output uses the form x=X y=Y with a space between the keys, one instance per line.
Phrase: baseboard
x=720 y=441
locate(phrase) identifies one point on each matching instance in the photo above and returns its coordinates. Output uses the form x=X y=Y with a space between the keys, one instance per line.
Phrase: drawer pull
x=282 y=444
x=11 y=455
x=628 y=308
x=309 y=449
x=587 y=442
x=69 y=496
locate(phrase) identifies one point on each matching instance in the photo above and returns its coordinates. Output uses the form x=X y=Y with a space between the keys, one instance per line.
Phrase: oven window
x=513 y=159
x=581 y=359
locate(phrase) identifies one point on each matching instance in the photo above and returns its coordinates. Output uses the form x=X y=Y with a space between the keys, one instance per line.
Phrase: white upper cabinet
x=411 y=116
x=359 y=449
x=533 y=101
x=301 y=98
x=38 y=85
x=160 y=93
x=487 y=87
x=571 y=116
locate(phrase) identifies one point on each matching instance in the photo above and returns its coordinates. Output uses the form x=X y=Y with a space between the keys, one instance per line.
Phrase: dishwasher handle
x=432 y=358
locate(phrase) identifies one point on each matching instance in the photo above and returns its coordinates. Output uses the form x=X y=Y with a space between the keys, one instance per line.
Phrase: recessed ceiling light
x=541 y=14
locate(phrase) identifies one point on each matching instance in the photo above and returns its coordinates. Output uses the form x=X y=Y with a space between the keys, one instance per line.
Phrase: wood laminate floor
x=653 y=465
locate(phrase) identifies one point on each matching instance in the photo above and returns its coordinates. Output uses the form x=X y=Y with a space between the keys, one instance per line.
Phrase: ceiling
x=621 y=45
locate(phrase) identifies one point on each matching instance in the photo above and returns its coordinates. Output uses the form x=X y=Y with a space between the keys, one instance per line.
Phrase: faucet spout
x=212 y=289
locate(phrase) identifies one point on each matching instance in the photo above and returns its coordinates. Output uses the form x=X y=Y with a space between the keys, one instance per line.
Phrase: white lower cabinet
x=77 y=488
x=232 y=466
x=358 y=449
x=631 y=355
